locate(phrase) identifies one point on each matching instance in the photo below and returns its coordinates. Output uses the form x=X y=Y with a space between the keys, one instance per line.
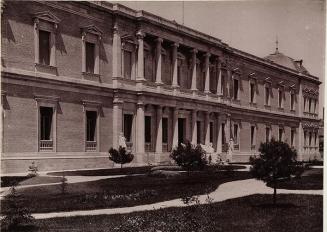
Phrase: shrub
x=120 y=156
x=189 y=156
x=15 y=216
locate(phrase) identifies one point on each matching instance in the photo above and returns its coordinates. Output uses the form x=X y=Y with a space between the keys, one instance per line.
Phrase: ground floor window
x=235 y=133
x=91 y=122
x=267 y=134
x=252 y=137
x=211 y=132
x=198 y=132
x=128 y=123
x=164 y=130
x=147 y=128
x=46 y=123
x=223 y=134
x=292 y=137
x=280 y=134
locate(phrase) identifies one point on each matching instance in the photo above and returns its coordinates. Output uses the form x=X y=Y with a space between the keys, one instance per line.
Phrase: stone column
x=207 y=73
x=83 y=54
x=36 y=41
x=116 y=53
x=53 y=48
x=219 y=135
x=159 y=130
x=207 y=128
x=194 y=127
x=158 y=60
x=117 y=121
x=229 y=83
x=140 y=56
x=140 y=128
x=228 y=137
x=175 y=128
x=174 y=62
x=193 y=85
x=219 y=81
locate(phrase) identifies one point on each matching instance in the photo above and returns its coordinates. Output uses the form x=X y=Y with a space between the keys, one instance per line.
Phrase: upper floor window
x=280 y=98
x=91 y=37
x=292 y=106
x=235 y=89
x=252 y=92
x=267 y=95
x=45 y=26
x=310 y=105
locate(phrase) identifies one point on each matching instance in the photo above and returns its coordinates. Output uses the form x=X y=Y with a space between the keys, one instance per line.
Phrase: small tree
x=276 y=161
x=120 y=156
x=189 y=156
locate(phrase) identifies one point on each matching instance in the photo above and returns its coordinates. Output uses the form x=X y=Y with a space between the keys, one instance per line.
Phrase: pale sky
x=252 y=26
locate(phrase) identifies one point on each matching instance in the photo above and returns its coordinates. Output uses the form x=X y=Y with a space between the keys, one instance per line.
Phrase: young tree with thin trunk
x=277 y=160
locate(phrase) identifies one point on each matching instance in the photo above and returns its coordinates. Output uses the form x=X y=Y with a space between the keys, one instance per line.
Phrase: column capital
x=207 y=55
x=175 y=44
x=159 y=40
x=118 y=101
x=140 y=35
x=140 y=104
x=194 y=50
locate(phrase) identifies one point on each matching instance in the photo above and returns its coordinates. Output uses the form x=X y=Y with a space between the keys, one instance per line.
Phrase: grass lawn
x=300 y=213
x=310 y=179
x=122 y=192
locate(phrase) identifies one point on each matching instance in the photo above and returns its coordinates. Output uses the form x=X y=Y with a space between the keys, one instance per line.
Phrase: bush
x=15 y=216
x=189 y=156
x=120 y=156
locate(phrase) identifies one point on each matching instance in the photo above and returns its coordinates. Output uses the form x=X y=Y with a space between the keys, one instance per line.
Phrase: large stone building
x=78 y=75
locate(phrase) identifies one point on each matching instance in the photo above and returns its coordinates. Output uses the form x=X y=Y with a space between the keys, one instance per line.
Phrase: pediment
x=47 y=16
x=92 y=29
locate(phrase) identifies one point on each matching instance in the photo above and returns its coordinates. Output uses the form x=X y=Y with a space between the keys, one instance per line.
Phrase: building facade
x=76 y=76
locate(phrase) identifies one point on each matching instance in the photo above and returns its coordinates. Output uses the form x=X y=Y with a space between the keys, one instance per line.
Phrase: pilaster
x=159 y=130
x=193 y=85
x=174 y=61
x=194 y=127
x=140 y=56
x=140 y=128
x=207 y=73
x=158 y=60
x=117 y=121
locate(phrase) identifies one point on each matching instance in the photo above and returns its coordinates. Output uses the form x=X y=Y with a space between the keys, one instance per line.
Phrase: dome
x=281 y=59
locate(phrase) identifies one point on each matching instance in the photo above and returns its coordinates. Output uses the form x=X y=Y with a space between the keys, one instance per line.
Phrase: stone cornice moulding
x=92 y=29
x=50 y=99
x=46 y=16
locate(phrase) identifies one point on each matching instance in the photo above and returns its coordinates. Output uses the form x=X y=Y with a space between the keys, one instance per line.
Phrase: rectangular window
x=314 y=105
x=267 y=134
x=179 y=75
x=280 y=134
x=235 y=82
x=222 y=88
x=90 y=57
x=280 y=98
x=211 y=132
x=46 y=123
x=91 y=122
x=147 y=128
x=304 y=104
x=292 y=101
x=305 y=138
x=267 y=96
x=165 y=130
x=310 y=100
x=128 y=123
x=315 y=141
x=127 y=64
x=310 y=139
x=44 y=47
x=235 y=133
x=198 y=133
x=223 y=135
x=292 y=137
x=252 y=135
x=252 y=92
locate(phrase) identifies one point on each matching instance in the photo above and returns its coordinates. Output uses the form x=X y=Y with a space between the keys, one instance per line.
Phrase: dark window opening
x=252 y=92
x=44 y=47
x=127 y=64
x=292 y=138
x=267 y=90
x=252 y=135
x=235 y=89
x=181 y=130
x=280 y=98
x=211 y=132
x=223 y=135
x=267 y=134
x=165 y=130
x=46 y=123
x=198 y=132
x=90 y=59
x=292 y=101
x=179 y=74
x=235 y=133
x=128 y=123
x=280 y=134
x=91 y=122
x=147 y=128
